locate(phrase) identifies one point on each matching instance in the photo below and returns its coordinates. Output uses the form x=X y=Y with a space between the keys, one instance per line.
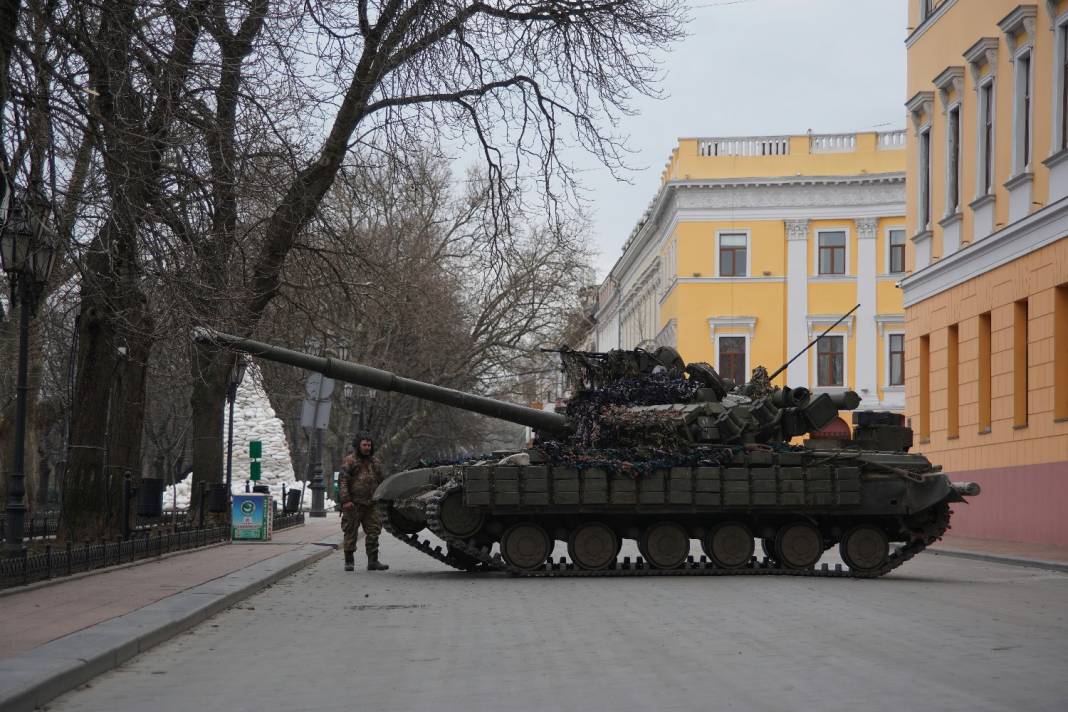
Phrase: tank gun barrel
x=380 y=380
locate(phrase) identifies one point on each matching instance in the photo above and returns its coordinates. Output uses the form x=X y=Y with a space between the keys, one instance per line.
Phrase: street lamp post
x=27 y=251
x=237 y=374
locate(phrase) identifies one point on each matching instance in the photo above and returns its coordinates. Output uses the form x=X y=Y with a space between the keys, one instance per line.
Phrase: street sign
x=254 y=470
x=315 y=414
x=255 y=449
x=319 y=387
x=251 y=517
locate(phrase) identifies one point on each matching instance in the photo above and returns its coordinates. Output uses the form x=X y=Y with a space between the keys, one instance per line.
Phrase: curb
x=999 y=559
x=31 y=680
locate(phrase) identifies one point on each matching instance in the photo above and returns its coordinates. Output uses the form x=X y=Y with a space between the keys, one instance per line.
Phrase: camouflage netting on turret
x=635 y=461
x=599 y=418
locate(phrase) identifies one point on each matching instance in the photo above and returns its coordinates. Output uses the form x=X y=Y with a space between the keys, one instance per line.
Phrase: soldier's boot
x=373 y=564
x=350 y=560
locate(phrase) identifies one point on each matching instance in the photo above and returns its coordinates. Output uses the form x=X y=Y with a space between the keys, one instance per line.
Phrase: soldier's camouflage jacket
x=359 y=478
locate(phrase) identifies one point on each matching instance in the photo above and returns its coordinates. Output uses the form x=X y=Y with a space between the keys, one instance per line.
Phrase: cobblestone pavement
x=939 y=634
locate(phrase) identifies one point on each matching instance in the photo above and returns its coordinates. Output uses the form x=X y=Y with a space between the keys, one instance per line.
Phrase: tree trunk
x=211 y=376
x=108 y=408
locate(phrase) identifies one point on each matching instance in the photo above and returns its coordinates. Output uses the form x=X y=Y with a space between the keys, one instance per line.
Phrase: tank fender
x=934 y=489
x=411 y=482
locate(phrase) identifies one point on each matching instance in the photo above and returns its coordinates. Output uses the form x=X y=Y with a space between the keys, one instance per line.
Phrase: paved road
x=938 y=634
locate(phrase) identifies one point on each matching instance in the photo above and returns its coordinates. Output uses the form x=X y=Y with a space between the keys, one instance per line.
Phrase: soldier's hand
x=347 y=506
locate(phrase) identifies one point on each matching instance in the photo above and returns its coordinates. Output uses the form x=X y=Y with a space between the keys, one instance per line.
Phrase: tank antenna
x=782 y=368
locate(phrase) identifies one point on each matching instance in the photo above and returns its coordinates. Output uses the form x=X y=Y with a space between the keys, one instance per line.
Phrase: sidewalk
x=1042 y=556
x=60 y=635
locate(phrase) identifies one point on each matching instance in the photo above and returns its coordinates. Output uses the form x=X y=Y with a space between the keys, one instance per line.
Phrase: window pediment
x=983 y=53
x=950 y=79
x=1021 y=21
x=920 y=107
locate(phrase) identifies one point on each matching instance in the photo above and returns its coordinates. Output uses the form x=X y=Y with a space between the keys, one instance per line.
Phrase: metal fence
x=44 y=525
x=72 y=558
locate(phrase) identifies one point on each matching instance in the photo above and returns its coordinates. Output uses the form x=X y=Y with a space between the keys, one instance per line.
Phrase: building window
x=925 y=388
x=732 y=358
x=1060 y=352
x=926 y=8
x=925 y=180
x=897 y=360
x=733 y=254
x=832 y=252
x=986 y=138
x=1019 y=364
x=953 y=161
x=984 y=372
x=952 y=382
x=830 y=362
x=1022 y=115
x=1062 y=35
x=897 y=251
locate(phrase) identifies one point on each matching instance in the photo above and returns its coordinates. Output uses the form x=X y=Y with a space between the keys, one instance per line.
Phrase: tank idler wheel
x=463 y=559
x=729 y=545
x=593 y=546
x=458 y=519
x=799 y=545
x=404 y=524
x=864 y=548
x=526 y=546
x=665 y=545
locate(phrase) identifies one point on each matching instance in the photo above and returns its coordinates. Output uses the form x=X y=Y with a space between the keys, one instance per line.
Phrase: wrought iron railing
x=45 y=524
x=71 y=558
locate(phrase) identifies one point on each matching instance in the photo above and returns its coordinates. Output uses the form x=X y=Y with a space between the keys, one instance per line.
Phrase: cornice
x=1013 y=241
x=928 y=22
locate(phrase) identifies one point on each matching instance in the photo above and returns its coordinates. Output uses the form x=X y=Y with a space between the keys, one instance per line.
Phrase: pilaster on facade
x=796 y=298
x=867 y=381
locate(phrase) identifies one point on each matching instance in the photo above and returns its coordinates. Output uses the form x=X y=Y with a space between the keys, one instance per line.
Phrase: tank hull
x=794 y=501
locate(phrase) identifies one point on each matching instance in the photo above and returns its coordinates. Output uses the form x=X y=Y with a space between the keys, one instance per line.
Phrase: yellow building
x=987 y=300
x=754 y=245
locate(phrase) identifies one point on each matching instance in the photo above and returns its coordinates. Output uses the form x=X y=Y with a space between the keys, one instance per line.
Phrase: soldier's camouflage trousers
x=365 y=515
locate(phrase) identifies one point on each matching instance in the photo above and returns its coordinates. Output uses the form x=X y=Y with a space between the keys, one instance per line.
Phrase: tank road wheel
x=799 y=545
x=729 y=545
x=457 y=519
x=593 y=546
x=526 y=546
x=665 y=545
x=864 y=548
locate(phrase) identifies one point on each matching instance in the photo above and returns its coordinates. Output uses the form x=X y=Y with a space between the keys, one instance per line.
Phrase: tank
x=667 y=454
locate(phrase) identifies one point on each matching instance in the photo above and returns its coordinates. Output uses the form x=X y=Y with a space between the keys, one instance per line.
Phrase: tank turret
x=618 y=396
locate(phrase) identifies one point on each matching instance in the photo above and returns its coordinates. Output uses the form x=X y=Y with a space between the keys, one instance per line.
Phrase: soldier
x=361 y=473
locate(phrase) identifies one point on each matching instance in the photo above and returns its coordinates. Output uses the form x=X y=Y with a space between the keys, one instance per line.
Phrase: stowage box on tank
x=664 y=453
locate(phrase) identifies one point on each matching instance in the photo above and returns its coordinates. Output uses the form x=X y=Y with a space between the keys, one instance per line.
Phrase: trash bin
x=150 y=497
x=261 y=489
x=292 y=500
x=218 y=501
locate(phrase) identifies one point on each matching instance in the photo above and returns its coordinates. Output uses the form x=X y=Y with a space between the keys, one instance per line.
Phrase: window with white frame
x=926 y=8
x=895 y=359
x=1021 y=127
x=830 y=361
x=985 y=174
x=953 y=160
x=732 y=358
x=733 y=254
x=924 y=182
x=831 y=252
x=896 y=255
x=1060 y=93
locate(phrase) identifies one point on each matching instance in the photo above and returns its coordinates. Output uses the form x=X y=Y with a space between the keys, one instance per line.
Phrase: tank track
x=424 y=545
x=931 y=533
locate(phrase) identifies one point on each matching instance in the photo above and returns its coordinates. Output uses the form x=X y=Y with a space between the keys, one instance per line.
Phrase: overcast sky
x=753 y=67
